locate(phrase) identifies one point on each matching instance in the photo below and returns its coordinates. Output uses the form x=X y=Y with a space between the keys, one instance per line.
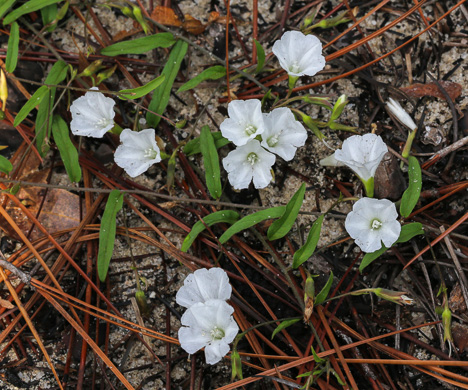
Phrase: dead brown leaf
x=431 y=89
x=193 y=26
x=6 y=304
x=166 y=16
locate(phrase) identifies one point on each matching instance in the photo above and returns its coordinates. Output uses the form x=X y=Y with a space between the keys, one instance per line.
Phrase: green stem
x=409 y=143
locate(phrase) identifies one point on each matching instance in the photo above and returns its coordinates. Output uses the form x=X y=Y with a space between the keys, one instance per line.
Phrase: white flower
x=138 y=151
x=204 y=285
x=245 y=121
x=247 y=162
x=92 y=114
x=371 y=222
x=283 y=133
x=299 y=54
x=208 y=325
x=363 y=154
x=398 y=111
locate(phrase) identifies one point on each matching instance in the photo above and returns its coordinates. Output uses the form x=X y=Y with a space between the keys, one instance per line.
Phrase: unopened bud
x=398 y=297
x=142 y=303
x=3 y=89
x=309 y=296
x=92 y=69
x=339 y=107
x=447 y=324
x=236 y=365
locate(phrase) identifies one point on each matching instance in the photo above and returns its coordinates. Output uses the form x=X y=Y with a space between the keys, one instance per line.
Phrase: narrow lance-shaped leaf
x=213 y=73
x=308 y=248
x=211 y=163
x=12 y=48
x=107 y=232
x=252 y=220
x=30 y=6
x=284 y=325
x=260 y=56
x=407 y=233
x=282 y=226
x=5 y=6
x=411 y=195
x=139 y=45
x=49 y=14
x=193 y=146
x=33 y=101
x=5 y=165
x=323 y=294
x=139 y=92
x=67 y=150
x=56 y=75
x=161 y=96
x=227 y=216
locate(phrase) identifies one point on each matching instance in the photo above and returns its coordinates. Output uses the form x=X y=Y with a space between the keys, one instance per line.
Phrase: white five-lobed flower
x=248 y=162
x=363 y=154
x=399 y=112
x=283 y=134
x=209 y=325
x=92 y=114
x=299 y=54
x=371 y=222
x=137 y=152
x=245 y=121
x=203 y=285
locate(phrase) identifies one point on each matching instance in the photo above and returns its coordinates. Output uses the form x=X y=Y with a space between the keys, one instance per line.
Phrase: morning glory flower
x=363 y=154
x=245 y=121
x=208 y=325
x=371 y=222
x=137 y=152
x=283 y=133
x=299 y=54
x=249 y=162
x=399 y=112
x=204 y=285
x=92 y=114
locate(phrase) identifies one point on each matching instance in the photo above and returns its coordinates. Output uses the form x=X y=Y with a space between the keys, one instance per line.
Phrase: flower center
x=217 y=333
x=150 y=153
x=294 y=68
x=376 y=224
x=272 y=141
x=250 y=129
x=101 y=123
x=252 y=158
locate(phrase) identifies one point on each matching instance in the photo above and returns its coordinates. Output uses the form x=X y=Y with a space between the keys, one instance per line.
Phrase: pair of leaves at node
x=408 y=202
x=287 y=216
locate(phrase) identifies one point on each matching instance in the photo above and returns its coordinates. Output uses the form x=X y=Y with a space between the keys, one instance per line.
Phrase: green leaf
x=5 y=6
x=407 y=233
x=211 y=163
x=323 y=294
x=227 y=216
x=49 y=14
x=67 y=150
x=139 y=45
x=370 y=257
x=33 y=101
x=213 y=73
x=30 y=6
x=282 y=226
x=12 y=48
x=308 y=248
x=411 y=195
x=284 y=325
x=252 y=220
x=57 y=74
x=161 y=96
x=107 y=232
x=317 y=358
x=260 y=56
x=138 y=92
x=5 y=165
x=193 y=146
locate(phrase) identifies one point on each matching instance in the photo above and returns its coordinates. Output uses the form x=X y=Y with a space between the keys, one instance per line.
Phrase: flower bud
x=309 y=296
x=236 y=365
x=339 y=107
x=3 y=89
x=398 y=297
x=141 y=301
x=92 y=69
x=447 y=324
x=403 y=117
